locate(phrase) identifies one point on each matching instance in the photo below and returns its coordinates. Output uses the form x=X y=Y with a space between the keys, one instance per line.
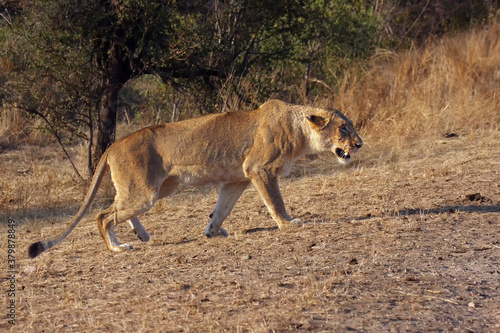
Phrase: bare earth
x=405 y=239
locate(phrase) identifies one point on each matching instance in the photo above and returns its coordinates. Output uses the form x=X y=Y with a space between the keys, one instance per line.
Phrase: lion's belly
x=207 y=175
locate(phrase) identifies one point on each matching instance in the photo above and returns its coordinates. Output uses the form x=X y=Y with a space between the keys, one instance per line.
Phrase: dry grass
x=451 y=86
x=392 y=243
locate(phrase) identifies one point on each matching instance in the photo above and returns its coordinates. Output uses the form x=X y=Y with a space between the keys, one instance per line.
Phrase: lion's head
x=334 y=132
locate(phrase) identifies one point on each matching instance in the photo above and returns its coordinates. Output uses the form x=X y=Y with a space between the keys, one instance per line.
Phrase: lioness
x=233 y=149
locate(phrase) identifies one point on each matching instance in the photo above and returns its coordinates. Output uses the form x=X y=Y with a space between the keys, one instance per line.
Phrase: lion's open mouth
x=342 y=154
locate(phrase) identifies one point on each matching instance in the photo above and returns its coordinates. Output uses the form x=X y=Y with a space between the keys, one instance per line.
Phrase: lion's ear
x=317 y=121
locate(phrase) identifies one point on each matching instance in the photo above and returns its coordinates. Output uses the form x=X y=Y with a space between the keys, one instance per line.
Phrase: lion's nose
x=358 y=145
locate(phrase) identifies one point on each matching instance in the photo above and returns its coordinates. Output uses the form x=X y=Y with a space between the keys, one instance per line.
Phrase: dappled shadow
x=184 y=241
x=439 y=210
x=253 y=230
x=448 y=209
x=402 y=212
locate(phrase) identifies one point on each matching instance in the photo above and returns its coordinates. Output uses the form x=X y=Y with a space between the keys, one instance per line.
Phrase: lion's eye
x=343 y=129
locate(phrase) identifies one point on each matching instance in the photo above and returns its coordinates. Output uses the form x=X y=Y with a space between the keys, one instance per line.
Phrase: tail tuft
x=35 y=249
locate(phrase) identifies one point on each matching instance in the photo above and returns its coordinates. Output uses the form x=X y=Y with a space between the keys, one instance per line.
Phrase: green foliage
x=332 y=35
x=203 y=50
x=239 y=44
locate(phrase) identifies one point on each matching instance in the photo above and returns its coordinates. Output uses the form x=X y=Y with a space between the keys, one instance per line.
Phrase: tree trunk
x=106 y=130
x=115 y=76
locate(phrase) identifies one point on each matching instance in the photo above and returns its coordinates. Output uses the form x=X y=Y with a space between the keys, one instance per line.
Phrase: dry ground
x=398 y=241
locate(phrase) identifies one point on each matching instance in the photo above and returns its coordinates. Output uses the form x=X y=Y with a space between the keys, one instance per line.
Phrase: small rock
x=246 y=257
x=472 y=305
x=29 y=270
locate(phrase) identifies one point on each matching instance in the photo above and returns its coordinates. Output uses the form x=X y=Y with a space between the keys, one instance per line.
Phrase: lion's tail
x=38 y=247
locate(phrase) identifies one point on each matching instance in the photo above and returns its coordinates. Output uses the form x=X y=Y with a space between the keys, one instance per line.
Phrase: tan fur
x=232 y=149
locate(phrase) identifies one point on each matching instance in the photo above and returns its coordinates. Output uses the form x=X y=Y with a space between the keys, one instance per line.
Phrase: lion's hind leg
x=107 y=220
x=229 y=194
x=139 y=230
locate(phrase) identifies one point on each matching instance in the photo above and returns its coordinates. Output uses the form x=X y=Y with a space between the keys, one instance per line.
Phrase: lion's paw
x=211 y=233
x=122 y=248
x=296 y=222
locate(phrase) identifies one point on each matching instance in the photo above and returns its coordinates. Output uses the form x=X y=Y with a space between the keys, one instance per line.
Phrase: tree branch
x=54 y=132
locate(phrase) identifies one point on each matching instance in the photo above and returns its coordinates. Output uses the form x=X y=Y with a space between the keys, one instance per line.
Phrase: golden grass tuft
x=449 y=86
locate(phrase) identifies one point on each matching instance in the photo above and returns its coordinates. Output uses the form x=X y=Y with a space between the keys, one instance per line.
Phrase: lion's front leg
x=268 y=188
